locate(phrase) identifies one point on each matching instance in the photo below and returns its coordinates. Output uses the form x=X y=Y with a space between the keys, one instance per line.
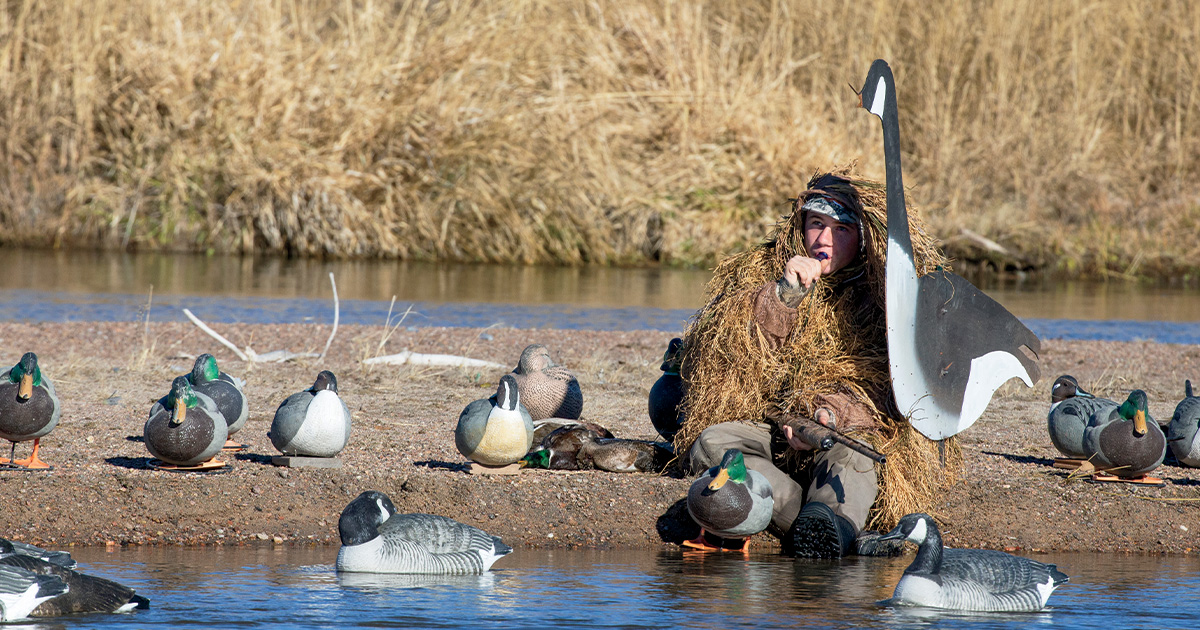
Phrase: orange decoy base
x=706 y=542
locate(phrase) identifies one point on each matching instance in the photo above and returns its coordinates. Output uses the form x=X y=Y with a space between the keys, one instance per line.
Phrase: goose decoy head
x=204 y=370
x=181 y=399
x=672 y=357
x=27 y=373
x=1134 y=409
x=913 y=528
x=874 y=94
x=731 y=468
x=1067 y=387
x=325 y=380
x=534 y=358
x=361 y=519
x=507 y=397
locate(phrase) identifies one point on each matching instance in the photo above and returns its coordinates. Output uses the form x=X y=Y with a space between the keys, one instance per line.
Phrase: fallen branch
x=416 y=358
x=335 y=318
x=212 y=333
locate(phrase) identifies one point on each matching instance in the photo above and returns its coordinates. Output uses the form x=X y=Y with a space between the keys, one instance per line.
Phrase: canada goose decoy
x=225 y=390
x=1071 y=408
x=375 y=539
x=730 y=501
x=950 y=346
x=1182 y=432
x=968 y=579
x=29 y=409
x=624 y=456
x=548 y=390
x=667 y=393
x=85 y=593
x=314 y=422
x=185 y=429
x=495 y=431
x=21 y=591
x=1126 y=441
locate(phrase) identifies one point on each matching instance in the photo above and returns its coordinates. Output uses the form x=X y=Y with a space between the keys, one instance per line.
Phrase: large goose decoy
x=730 y=501
x=21 y=591
x=667 y=393
x=375 y=539
x=185 y=428
x=1182 y=433
x=950 y=345
x=495 y=431
x=225 y=390
x=1071 y=408
x=29 y=409
x=1126 y=441
x=314 y=422
x=968 y=579
x=548 y=390
x=85 y=593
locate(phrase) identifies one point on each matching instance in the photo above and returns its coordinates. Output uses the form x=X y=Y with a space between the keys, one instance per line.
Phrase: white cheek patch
x=879 y=98
x=919 y=532
x=383 y=513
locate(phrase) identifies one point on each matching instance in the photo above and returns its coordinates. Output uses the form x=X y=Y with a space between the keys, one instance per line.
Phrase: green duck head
x=1134 y=408
x=204 y=370
x=732 y=468
x=536 y=459
x=27 y=373
x=181 y=399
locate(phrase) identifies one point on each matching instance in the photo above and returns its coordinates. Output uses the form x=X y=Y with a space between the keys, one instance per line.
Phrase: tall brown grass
x=571 y=131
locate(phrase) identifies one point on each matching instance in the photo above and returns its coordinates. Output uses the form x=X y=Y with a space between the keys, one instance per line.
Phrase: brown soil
x=108 y=374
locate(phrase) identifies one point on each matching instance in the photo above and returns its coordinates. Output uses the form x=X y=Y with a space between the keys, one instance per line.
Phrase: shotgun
x=819 y=435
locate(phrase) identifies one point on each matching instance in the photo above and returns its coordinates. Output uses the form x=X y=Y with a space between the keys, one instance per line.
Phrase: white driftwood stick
x=278 y=356
x=335 y=318
x=416 y=358
x=212 y=333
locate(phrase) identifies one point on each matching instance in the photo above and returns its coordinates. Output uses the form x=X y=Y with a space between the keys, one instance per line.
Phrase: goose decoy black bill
x=950 y=346
x=980 y=580
x=314 y=422
x=85 y=593
x=29 y=409
x=1182 y=433
x=225 y=390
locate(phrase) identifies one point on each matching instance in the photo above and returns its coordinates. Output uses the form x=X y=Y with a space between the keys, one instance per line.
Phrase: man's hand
x=802 y=271
x=823 y=416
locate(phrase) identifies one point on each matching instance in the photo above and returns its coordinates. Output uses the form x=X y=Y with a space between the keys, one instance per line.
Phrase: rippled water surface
x=297 y=588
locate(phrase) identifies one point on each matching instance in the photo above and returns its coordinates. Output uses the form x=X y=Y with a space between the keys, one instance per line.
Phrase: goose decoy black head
x=325 y=381
x=950 y=346
x=362 y=517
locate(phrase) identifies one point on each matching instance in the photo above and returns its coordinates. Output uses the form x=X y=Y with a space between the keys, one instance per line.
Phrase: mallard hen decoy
x=1182 y=433
x=21 y=591
x=495 y=431
x=1071 y=409
x=1126 y=441
x=185 y=427
x=314 y=422
x=667 y=393
x=969 y=579
x=29 y=409
x=623 y=456
x=730 y=501
x=85 y=593
x=225 y=390
x=548 y=390
x=375 y=539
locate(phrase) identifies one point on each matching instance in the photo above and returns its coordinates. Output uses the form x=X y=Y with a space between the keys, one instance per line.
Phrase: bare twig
x=416 y=358
x=335 y=318
x=212 y=333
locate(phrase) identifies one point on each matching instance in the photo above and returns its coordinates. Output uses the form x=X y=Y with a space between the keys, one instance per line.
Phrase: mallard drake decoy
x=950 y=346
x=1182 y=433
x=225 y=390
x=969 y=579
x=21 y=591
x=558 y=449
x=667 y=393
x=1126 y=441
x=314 y=422
x=624 y=456
x=29 y=409
x=730 y=501
x=185 y=427
x=1071 y=409
x=548 y=390
x=543 y=428
x=495 y=431
x=85 y=593
x=375 y=539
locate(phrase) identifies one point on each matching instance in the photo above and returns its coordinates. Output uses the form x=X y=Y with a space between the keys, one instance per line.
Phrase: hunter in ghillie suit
x=799 y=322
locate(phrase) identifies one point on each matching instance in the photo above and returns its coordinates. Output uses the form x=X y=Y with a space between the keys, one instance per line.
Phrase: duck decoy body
x=667 y=392
x=548 y=390
x=950 y=346
x=375 y=539
x=731 y=500
x=314 y=422
x=559 y=449
x=21 y=591
x=1126 y=441
x=225 y=390
x=969 y=579
x=1071 y=408
x=85 y=593
x=29 y=408
x=495 y=431
x=185 y=427
x=623 y=456
x=1182 y=433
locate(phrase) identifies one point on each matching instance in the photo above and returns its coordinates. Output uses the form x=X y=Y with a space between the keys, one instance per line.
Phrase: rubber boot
x=819 y=533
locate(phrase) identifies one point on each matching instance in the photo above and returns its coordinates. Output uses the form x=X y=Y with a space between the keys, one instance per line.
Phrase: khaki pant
x=840 y=477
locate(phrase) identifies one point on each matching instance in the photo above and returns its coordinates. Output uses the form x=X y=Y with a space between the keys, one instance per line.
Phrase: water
x=298 y=588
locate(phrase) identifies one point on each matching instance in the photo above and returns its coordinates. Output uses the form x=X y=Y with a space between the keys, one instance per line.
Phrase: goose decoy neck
x=878 y=96
x=325 y=381
x=205 y=369
x=361 y=519
x=507 y=396
x=922 y=530
x=732 y=468
x=672 y=358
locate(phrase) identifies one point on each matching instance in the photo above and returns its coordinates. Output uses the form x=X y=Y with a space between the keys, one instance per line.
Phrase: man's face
x=831 y=242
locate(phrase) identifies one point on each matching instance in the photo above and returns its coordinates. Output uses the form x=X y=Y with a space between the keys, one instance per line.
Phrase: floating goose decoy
x=1126 y=441
x=730 y=501
x=1071 y=409
x=185 y=428
x=1182 y=432
x=225 y=390
x=375 y=539
x=29 y=409
x=21 y=591
x=624 y=456
x=950 y=346
x=314 y=422
x=13 y=547
x=968 y=579
x=548 y=390
x=495 y=431
x=85 y=593
x=667 y=393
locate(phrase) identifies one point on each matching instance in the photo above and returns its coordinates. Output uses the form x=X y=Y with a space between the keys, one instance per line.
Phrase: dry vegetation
x=572 y=131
